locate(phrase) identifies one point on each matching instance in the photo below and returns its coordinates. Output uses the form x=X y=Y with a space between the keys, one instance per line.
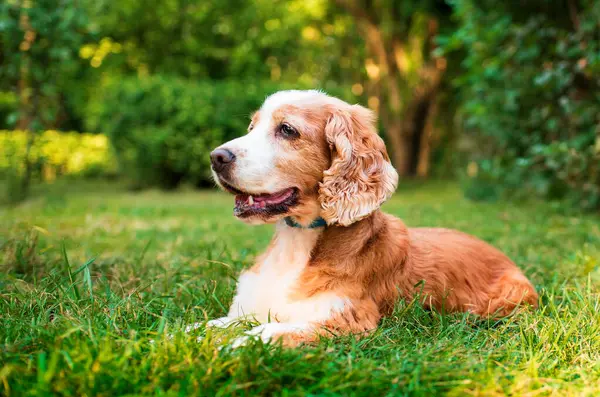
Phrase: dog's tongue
x=260 y=200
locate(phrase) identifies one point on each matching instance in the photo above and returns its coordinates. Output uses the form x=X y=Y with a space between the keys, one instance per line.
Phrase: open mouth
x=263 y=204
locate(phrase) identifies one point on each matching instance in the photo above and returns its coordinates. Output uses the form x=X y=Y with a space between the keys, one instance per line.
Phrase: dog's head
x=306 y=155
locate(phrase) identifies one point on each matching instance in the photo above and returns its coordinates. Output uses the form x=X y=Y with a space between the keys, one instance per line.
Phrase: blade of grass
x=88 y=280
x=68 y=265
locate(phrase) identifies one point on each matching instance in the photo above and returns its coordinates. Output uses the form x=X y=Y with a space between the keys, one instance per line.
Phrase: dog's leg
x=357 y=320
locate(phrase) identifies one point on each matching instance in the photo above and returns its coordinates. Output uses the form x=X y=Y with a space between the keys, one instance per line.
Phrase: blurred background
x=503 y=97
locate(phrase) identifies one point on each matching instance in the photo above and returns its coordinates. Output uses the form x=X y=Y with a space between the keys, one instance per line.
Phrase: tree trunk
x=26 y=107
x=425 y=147
x=409 y=135
x=26 y=179
x=23 y=120
x=405 y=97
x=398 y=137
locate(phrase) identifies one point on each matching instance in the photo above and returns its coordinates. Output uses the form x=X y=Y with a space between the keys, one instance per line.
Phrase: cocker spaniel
x=315 y=166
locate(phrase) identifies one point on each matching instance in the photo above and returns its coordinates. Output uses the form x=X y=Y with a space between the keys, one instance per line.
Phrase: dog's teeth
x=250 y=200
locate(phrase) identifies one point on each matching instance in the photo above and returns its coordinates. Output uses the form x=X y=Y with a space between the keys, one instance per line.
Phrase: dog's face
x=306 y=155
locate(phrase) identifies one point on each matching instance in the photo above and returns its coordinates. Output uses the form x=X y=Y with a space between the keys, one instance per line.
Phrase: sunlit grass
x=90 y=273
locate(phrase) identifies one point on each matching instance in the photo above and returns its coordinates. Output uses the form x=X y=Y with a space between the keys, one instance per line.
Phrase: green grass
x=90 y=273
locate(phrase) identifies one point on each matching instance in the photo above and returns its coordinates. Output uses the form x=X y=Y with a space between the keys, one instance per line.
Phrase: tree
x=531 y=91
x=40 y=45
x=404 y=76
x=279 y=40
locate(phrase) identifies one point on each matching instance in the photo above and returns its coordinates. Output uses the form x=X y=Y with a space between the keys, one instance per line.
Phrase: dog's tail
x=512 y=291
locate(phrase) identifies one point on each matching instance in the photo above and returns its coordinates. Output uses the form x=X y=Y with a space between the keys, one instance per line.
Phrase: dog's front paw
x=238 y=342
x=267 y=333
x=223 y=322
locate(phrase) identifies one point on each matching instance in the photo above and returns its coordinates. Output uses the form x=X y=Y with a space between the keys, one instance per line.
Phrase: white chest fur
x=267 y=295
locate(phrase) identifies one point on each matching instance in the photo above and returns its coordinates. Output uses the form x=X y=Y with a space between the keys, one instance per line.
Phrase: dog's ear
x=361 y=176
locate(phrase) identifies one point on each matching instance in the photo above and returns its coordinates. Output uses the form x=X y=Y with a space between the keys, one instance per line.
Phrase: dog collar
x=319 y=222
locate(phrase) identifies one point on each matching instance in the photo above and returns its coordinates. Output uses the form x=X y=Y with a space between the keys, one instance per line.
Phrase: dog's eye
x=288 y=132
x=250 y=127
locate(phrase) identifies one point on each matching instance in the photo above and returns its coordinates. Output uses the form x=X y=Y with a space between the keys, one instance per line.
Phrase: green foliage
x=164 y=128
x=287 y=40
x=40 y=45
x=531 y=96
x=8 y=109
x=139 y=266
x=56 y=153
x=480 y=182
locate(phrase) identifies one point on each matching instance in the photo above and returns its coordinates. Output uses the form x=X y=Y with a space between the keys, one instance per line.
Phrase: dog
x=315 y=166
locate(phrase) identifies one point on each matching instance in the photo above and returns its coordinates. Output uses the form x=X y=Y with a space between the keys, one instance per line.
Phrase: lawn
x=91 y=273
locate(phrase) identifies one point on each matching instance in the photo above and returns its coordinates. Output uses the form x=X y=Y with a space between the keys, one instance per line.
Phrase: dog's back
x=452 y=271
x=464 y=273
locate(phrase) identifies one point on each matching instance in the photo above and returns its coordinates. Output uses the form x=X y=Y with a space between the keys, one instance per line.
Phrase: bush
x=56 y=153
x=163 y=129
x=531 y=96
x=8 y=108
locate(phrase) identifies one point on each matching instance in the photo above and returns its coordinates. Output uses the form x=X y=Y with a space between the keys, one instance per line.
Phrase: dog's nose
x=221 y=159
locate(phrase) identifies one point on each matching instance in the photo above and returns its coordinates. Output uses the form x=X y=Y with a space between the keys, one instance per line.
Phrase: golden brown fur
x=378 y=260
x=368 y=258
